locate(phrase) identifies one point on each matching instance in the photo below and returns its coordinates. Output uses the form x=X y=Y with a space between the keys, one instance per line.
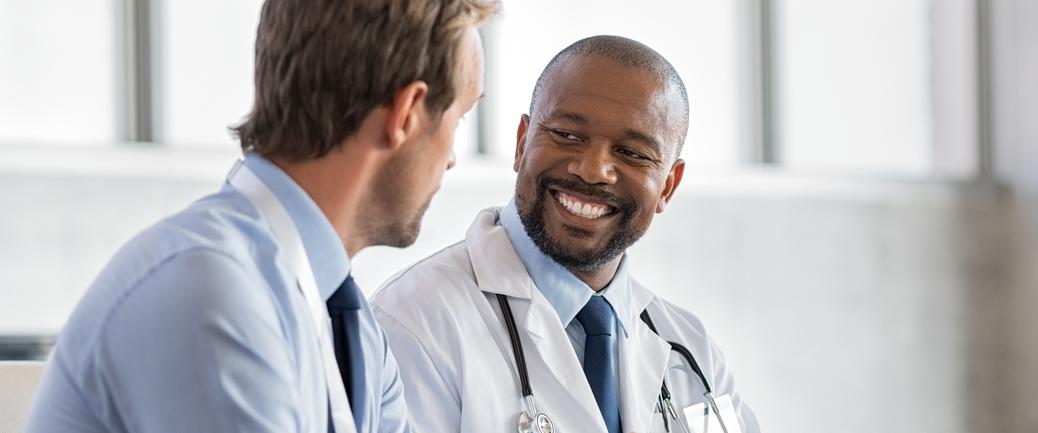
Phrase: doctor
x=238 y=313
x=535 y=321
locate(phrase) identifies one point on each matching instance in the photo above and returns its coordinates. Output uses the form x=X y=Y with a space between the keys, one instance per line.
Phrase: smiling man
x=535 y=320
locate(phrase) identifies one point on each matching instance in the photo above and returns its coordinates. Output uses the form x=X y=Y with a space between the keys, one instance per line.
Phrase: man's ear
x=520 y=141
x=406 y=115
x=671 y=185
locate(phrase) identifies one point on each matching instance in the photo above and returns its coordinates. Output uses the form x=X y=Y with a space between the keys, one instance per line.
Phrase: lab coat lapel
x=557 y=379
x=495 y=265
x=643 y=364
x=553 y=353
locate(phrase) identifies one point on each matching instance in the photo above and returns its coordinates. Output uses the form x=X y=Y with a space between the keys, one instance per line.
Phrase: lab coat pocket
x=666 y=419
x=716 y=415
x=657 y=423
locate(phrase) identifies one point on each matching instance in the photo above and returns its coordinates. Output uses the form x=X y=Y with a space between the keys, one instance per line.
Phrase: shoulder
x=203 y=278
x=223 y=227
x=673 y=320
x=676 y=323
x=434 y=279
x=201 y=260
x=431 y=292
x=193 y=287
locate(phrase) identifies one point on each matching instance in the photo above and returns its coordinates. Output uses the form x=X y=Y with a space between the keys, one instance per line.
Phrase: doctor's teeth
x=583 y=210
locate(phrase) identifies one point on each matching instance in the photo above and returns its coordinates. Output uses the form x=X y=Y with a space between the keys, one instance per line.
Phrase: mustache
x=598 y=193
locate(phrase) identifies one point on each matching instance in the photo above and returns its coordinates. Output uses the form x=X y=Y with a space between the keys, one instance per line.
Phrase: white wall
x=1015 y=112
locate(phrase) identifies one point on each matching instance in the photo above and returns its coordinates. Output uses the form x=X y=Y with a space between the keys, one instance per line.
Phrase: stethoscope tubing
x=517 y=346
x=665 y=397
x=681 y=350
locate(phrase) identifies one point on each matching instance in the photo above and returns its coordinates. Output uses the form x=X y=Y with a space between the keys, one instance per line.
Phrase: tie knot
x=347 y=297
x=597 y=317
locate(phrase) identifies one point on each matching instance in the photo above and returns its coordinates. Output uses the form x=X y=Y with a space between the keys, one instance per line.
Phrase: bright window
x=697 y=36
x=205 y=64
x=58 y=71
x=853 y=80
x=883 y=86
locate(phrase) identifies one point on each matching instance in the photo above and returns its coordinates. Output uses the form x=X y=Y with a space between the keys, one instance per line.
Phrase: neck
x=597 y=279
x=336 y=183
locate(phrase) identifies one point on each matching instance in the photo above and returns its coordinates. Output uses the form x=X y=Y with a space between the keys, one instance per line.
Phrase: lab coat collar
x=495 y=264
x=640 y=299
x=567 y=293
x=322 y=243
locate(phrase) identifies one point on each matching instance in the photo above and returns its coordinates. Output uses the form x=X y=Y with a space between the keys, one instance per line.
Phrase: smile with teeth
x=581 y=208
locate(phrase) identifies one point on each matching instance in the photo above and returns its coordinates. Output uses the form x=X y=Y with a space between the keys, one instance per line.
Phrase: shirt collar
x=323 y=245
x=566 y=293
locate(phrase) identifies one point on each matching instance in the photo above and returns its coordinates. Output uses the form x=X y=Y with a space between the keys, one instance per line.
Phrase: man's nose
x=452 y=160
x=595 y=165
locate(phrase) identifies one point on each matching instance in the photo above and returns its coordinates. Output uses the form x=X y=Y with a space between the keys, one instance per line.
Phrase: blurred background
x=857 y=225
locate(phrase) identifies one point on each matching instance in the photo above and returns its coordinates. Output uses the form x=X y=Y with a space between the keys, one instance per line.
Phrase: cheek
x=538 y=159
x=446 y=136
x=649 y=193
x=530 y=167
x=451 y=135
x=439 y=153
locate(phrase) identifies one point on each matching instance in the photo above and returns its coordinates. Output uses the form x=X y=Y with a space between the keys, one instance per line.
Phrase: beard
x=531 y=213
x=394 y=219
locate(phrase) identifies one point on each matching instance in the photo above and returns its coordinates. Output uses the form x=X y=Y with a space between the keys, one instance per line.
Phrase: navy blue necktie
x=598 y=319
x=344 y=309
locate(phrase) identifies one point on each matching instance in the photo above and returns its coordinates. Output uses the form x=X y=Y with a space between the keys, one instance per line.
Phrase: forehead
x=605 y=91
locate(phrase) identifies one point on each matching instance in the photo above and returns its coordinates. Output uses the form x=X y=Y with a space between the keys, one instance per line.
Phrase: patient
x=215 y=319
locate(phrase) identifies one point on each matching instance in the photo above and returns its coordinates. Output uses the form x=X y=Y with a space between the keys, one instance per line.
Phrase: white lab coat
x=446 y=331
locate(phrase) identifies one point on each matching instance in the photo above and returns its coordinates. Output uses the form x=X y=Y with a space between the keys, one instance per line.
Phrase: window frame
x=963 y=156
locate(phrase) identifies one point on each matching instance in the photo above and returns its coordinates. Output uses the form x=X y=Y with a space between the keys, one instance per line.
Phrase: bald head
x=628 y=53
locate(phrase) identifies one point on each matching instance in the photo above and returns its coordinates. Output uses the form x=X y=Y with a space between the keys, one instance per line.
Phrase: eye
x=561 y=135
x=628 y=153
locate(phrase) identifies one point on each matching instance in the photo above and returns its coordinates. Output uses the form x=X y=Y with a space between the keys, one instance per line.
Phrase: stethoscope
x=534 y=420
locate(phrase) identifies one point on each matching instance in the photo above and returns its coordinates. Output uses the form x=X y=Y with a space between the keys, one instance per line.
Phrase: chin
x=399 y=227
x=582 y=260
x=581 y=254
x=405 y=235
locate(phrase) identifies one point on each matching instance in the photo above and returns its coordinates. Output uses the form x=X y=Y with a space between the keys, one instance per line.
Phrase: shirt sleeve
x=434 y=406
x=198 y=346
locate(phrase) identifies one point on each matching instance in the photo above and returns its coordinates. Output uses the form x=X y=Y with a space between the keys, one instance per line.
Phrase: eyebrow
x=568 y=115
x=628 y=133
x=638 y=136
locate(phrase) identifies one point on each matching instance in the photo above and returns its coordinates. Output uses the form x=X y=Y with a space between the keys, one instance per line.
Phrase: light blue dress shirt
x=566 y=293
x=197 y=325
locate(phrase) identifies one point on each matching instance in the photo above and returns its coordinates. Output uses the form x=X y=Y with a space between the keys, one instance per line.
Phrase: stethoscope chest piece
x=541 y=423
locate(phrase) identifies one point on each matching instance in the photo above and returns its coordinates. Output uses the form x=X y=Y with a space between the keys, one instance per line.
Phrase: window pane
x=206 y=69
x=697 y=36
x=854 y=84
x=206 y=79
x=57 y=71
